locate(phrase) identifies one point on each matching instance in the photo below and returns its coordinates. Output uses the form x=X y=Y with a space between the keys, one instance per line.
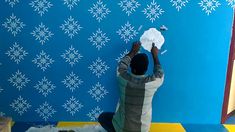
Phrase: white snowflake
x=98 y=67
x=43 y=60
x=71 y=27
x=72 y=105
x=94 y=113
x=98 y=39
x=209 y=5
x=127 y=32
x=45 y=111
x=98 y=92
x=71 y=3
x=20 y=105
x=16 y=53
x=42 y=33
x=18 y=80
x=12 y=2
x=1 y=89
x=72 y=81
x=99 y=10
x=179 y=3
x=231 y=3
x=41 y=6
x=129 y=6
x=122 y=55
x=13 y=24
x=153 y=11
x=2 y=114
x=44 y=86
x=72 y=56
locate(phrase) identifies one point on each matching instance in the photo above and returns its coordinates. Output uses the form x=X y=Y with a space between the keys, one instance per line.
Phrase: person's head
x=139 y=64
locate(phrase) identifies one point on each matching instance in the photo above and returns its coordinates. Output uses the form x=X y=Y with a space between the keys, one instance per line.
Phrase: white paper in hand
x=152 y=36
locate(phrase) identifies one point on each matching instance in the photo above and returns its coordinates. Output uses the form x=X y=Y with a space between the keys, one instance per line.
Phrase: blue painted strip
x=204 y=128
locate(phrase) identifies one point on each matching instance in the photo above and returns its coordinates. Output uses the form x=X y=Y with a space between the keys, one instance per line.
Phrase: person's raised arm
x=125 y=61
x=157 y=70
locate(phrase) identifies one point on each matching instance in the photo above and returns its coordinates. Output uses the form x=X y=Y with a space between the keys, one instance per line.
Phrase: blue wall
x=195 y=63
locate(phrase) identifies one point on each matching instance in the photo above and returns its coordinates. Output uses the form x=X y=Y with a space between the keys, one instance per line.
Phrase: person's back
x=134 y=111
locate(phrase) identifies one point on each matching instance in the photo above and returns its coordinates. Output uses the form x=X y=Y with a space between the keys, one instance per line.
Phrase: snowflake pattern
x=12 y=2
x=99 y=10
x=127 y=32
x=1 y=89
x=98 y=67
x=71 y=27
x=18 y=80
x=13 y=25
x=98 y=39
x=43 y=60
x=72 y=56
x=2 y=114
x=231 y=3
x=94 y=113
x=45 y=111
x=179 y=3
x=71 y=3
x=72 y=81
x=42 y=33
x=209 y=5
x=72 y=105
x=129 y=6
x=41 y=6
x=44 y=87
x=16 y=53
x=98 y=92
x=153 y=11
x=122 y=55
x=20 y=105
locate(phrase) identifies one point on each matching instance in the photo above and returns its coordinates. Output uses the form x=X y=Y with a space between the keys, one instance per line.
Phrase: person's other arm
x=125 y=61
x=157 y=69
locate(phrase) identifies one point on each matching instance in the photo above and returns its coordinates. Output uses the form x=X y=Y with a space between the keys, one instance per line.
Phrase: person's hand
x=154 y=50
x=135 y=47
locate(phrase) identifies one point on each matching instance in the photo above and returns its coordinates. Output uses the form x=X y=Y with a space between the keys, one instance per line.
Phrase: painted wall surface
x=58 y=58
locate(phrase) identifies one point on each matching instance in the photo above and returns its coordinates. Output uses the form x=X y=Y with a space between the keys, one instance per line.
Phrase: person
x=134 y=110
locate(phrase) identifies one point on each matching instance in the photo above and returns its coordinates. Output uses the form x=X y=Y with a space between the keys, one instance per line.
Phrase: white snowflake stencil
x=13 y=24
x=44 y=87
x=98 y=92
x=43 y=60
x=179 y=3
x=94 y=113
x=98 y=39
x=72 y=81
x=98 y=67
x=12 y=2
x=42 y=33
x=2 y=114
x=153 y=11
x=16 y=53
x=231 y=3
x=71 y=27
x=209 y=5
x=71 y=3
x=41 y=6
x=20 y=105
x=71 y=56
x=127 y=32
x=1 y=89
x=72 y=105
x=99 y=10
x=18 y=80
x=45 y=111
x=129 y=6
x=122 y=55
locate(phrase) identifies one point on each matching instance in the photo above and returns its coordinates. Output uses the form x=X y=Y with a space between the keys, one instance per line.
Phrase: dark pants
x=105 y=120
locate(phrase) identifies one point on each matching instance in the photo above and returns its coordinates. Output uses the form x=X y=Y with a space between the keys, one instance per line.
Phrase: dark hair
x=139 y=64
